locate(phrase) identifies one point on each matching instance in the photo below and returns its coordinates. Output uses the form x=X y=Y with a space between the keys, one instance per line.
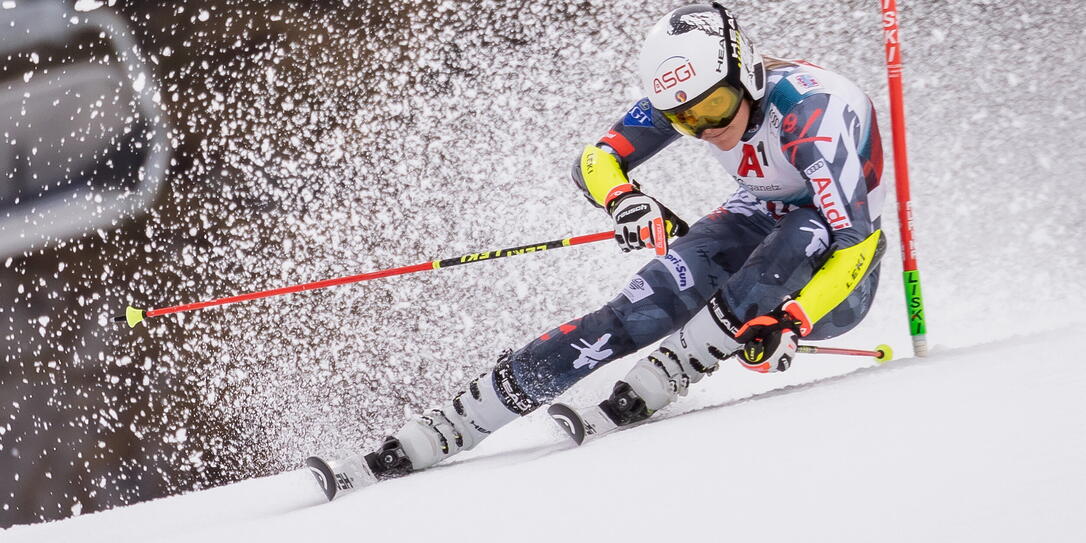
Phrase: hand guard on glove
x=770 y=341
x=641 y=221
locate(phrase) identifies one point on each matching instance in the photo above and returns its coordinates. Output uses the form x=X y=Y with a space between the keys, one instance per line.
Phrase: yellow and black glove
x=770 y=341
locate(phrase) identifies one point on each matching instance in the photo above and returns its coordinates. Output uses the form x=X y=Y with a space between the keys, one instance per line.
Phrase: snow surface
x=978 y=443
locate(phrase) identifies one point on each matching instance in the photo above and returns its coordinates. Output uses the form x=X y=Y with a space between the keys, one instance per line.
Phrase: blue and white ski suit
x=809 y=199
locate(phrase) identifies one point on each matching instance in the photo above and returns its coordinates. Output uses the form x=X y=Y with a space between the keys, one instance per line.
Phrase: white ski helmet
x=692 y=51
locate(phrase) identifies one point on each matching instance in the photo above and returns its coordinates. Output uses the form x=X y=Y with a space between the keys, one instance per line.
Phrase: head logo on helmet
x=693 y=49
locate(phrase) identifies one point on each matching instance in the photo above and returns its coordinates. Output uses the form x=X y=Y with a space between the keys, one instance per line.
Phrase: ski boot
x=657 y=380
x=491 y=401
x=682 y=359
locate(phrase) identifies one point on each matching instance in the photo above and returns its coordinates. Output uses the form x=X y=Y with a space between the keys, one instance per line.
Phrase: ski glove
x=770 y=341
x=641 y=221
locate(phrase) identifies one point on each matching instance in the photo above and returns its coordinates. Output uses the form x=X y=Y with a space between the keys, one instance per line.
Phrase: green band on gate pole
x=914 y=303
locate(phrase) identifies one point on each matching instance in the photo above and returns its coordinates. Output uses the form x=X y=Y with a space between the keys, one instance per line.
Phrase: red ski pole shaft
x=134 y=316
x=882 y=353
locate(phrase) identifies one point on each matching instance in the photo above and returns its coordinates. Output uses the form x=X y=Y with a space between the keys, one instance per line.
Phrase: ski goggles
x=716 y=109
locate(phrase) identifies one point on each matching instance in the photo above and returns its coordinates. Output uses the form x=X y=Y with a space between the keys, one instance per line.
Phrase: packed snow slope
x=977 y=443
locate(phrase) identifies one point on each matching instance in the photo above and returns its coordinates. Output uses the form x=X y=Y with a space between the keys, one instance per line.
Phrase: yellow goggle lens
x=714 y=111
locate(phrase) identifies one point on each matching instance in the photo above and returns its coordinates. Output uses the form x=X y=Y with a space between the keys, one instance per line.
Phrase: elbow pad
x=602 y=175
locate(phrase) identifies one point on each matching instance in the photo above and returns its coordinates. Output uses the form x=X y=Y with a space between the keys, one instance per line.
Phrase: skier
x=792 y=253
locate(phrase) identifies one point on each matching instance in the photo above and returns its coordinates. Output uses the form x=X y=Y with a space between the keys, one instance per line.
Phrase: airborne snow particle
x=88 y=5
x=140 y=82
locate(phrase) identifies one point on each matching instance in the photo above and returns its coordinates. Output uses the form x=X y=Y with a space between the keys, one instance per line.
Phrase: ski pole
x=134 y=316
x=881 y=354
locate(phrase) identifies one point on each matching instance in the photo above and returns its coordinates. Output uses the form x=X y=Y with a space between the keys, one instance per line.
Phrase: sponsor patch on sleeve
x=675 y=264
x=639 y=115
x=637 y=289
x=804 y=82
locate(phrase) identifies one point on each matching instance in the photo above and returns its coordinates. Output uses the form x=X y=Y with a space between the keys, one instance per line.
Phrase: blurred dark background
x=93 y=415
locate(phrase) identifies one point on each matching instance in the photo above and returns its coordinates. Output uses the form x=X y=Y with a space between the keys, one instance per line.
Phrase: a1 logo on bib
x=748 y=164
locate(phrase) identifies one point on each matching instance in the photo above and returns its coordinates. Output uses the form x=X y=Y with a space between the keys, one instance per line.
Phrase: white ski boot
x=680 y=360
x=491 y=401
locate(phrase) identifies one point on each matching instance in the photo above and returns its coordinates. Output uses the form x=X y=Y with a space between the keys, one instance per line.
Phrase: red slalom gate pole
x=134 y=316
x=914 y=301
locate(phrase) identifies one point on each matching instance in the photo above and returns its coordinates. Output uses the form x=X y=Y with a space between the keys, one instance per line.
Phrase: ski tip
x=320 y=470
x=885 y=354
x=569 y=420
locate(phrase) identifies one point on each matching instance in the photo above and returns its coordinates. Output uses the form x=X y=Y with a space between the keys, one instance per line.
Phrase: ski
x=341 y=476
x=582 y=424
